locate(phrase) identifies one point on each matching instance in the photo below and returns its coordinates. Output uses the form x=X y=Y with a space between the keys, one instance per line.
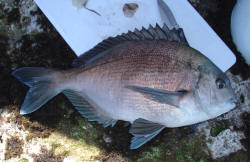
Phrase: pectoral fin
x=160 y=95
x=143 y=131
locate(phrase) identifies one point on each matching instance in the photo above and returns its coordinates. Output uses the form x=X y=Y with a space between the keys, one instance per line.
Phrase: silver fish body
x=154 y=64
x=152 y=83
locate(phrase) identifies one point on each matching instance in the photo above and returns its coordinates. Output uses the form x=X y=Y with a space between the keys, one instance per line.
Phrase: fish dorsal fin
x=152 y=33
x=86 y=110
x=143 y=131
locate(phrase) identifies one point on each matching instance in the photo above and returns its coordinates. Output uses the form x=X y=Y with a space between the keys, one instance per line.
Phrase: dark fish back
x=152 y=33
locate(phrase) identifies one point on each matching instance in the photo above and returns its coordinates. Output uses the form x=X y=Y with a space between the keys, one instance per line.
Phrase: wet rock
x=13 y=16
x=242 y=90
x=107 y=138
x=225 y=143
x=246 y=128
x=47 y=155
x=69 y=159
x=13 y=147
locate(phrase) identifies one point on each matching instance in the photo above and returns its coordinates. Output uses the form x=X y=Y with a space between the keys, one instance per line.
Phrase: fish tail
x=42 y=87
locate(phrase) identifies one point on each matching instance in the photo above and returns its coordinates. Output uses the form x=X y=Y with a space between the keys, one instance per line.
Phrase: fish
x=150 y=77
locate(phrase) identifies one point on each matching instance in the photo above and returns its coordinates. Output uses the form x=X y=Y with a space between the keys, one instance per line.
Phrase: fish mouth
x=234 y=100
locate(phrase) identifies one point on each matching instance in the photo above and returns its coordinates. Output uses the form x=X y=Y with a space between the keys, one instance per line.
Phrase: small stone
x=69 y=159
x=90 y=125
x=129 y=9
x=79 y=3
x=225 y=143
x=107 y=139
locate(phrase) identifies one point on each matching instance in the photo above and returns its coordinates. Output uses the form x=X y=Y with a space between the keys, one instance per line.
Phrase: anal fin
x=86 y=110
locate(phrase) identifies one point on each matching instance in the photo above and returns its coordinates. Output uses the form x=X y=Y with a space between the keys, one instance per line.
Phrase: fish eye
x=220 y=83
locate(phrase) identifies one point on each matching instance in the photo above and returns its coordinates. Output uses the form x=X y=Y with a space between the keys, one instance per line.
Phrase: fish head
x=213 y=91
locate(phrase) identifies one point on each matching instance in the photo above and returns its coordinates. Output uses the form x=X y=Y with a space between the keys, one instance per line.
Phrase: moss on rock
x=13 y=147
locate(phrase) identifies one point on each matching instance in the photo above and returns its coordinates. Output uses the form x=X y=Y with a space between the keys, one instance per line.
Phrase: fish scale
x=134 y=66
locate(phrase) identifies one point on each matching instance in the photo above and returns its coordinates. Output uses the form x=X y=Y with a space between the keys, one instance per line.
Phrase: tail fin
x=42 y=88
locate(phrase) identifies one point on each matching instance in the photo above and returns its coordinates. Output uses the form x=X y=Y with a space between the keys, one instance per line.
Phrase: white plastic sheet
x=83 y=29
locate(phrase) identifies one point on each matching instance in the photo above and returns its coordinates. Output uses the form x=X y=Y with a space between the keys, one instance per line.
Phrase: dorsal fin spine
x=152 y=33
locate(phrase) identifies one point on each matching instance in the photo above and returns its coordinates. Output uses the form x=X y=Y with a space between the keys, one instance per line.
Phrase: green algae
x=175 y=147
x=84 y=131
x=153 y=154
x=24 y=160
x=48 y=155
x=79 y=149
x=13 y=148
x=219 y=127
x=65 y=140
x=79 y=140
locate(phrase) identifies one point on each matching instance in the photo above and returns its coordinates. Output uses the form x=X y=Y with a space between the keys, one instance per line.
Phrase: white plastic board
x=83 y=29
